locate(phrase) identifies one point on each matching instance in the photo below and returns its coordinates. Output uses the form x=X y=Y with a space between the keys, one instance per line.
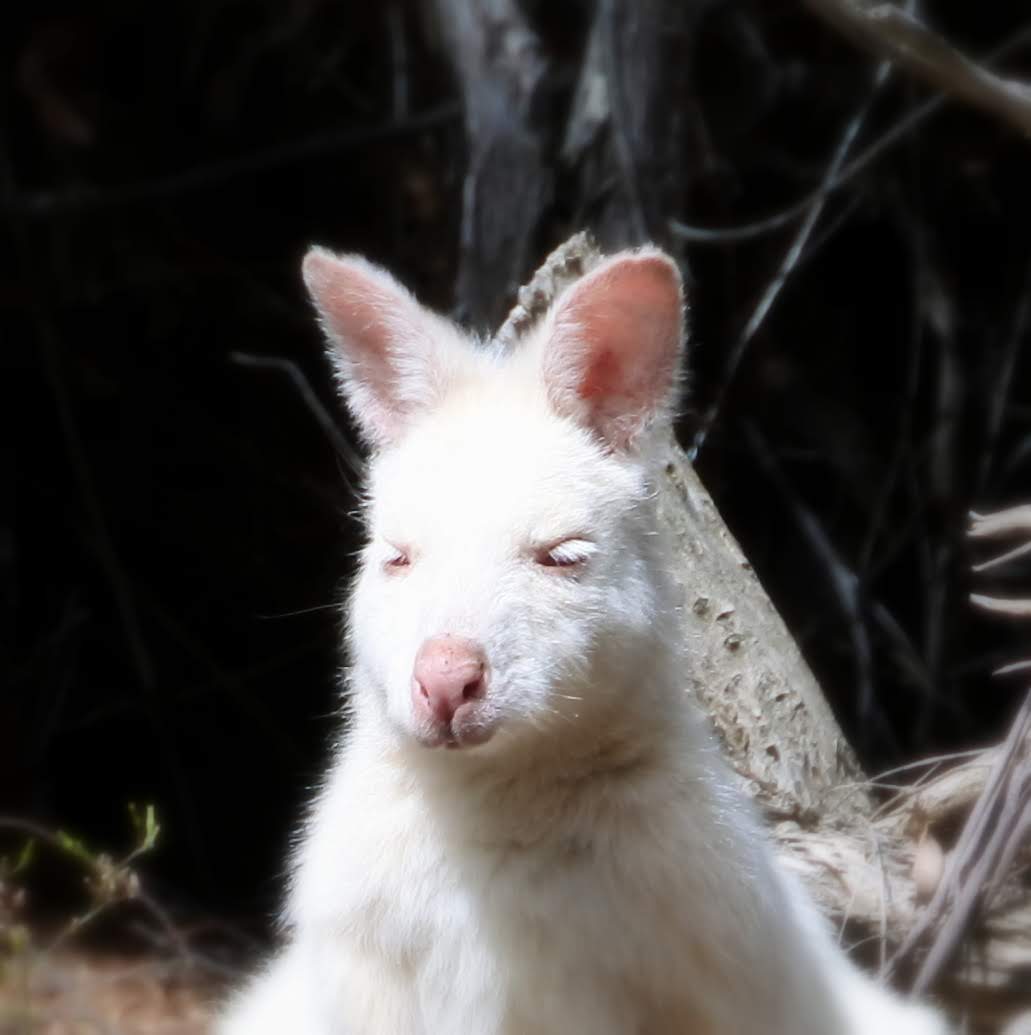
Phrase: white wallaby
x=527 y=829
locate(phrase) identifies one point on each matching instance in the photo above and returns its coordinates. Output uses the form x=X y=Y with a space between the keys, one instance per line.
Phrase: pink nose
x=449 y=671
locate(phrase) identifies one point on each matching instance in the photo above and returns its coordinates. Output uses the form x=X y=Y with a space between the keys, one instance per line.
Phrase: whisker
x=303 y=611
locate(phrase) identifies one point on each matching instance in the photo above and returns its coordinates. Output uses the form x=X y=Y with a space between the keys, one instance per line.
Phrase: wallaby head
x=512 y=583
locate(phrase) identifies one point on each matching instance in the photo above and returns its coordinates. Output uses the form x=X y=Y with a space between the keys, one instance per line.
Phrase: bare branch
x=995 y=829
x=1002 y=605
x=347 y=453
x=1001 y=522
x=890 y=32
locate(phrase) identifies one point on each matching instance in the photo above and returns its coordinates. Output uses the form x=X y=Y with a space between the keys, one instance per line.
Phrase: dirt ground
x=79 y=994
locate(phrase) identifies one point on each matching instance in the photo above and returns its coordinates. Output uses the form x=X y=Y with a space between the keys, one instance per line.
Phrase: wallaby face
x=508 y=586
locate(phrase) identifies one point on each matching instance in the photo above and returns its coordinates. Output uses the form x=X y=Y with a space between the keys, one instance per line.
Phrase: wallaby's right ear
x=392 y=357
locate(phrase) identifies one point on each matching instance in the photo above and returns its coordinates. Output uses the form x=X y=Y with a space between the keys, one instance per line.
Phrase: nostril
x=448 y=673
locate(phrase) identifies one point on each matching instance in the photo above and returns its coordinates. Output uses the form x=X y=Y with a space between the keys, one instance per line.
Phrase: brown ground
x=79 y=994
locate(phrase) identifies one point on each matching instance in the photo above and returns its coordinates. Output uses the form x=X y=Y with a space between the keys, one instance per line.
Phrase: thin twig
x=1013 y=668
x=1002 y=605
x=787 y=265
x=903 y=435
x=1004 y=558
x=343 y=448
x=843 y=581
x=983 y=851
x=1001 y=522
x=999 y=395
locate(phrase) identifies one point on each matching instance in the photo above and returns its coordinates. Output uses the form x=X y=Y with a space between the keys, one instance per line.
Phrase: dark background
x=175 y=524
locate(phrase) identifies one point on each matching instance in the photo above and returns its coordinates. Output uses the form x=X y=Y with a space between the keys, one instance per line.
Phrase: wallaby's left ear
x=613 y=352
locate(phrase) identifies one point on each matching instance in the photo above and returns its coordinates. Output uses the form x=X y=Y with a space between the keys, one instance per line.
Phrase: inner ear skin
x=386 y=347
x=603 y=371
x=617 y=342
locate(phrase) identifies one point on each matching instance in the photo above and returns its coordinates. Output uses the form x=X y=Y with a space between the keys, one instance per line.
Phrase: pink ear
x=611 y=360
x=388 y=351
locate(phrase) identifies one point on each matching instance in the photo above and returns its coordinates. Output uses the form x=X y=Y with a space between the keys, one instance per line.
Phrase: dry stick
x=985 y=846
x=994 y=526
x=994 y=840
x=909 y=659
x=932 y=761
x=843 y=581
x=1012 y=667
x=749 y=231
x=939 y=485
x=788 y=264
x=895 y=35
x=1005 y=558
x=903 y=436
x=1001 y=522
x=882 y=941
x=1002 y=605
x=1001 y=390
x=911 y=665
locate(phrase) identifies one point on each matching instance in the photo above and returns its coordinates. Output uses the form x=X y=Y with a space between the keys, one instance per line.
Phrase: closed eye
x=565 y=553
x=397 y=559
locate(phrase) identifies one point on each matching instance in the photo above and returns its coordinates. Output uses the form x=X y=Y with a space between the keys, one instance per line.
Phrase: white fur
x=589 y=869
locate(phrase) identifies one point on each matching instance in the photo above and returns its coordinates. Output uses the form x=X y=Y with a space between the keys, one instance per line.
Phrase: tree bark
x=746 y=671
